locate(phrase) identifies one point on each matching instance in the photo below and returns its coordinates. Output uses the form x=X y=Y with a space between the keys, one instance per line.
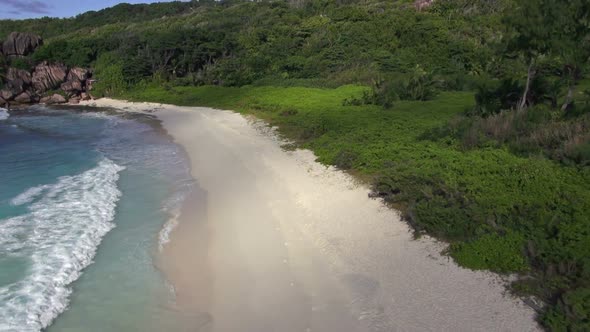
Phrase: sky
x=18 y=9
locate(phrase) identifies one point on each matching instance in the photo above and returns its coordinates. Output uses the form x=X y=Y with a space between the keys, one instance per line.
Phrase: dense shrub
x=501 y=253
x=533 y=131
x=112 y=81
x=22 y=63
x=573 y=309
x=72 y=52
x=491 y=97
x=418 y=85
x=345 y=159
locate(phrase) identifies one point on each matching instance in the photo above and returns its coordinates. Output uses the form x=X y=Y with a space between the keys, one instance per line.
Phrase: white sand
x=290 y=245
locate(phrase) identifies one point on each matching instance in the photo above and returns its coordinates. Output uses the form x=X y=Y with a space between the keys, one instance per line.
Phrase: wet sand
x=281 y=243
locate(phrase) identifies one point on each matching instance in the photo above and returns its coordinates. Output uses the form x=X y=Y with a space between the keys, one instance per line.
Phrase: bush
x=572 y=312
x=383 y=93
x=580 y=106
x=500 y=253
x=530 y=132
x=461 y=82
x=75 y=52
x=345 y=159
x=109 y=74
x=578 y=152
x=22 y=63
x=419 y=85
x=491 y=97
x=235 y=72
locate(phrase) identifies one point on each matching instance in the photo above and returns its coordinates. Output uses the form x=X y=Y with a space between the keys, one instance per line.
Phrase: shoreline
x=116 y=175
x=289 y=244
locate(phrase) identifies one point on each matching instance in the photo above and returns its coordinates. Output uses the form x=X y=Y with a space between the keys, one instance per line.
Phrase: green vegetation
x=502 y=253
x=234 y=43
x=471 y=117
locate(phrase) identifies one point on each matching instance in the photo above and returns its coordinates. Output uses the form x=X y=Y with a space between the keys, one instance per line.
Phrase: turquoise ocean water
x=85 y=199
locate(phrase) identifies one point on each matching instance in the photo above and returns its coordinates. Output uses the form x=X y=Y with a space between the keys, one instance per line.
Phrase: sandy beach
x=279 y=242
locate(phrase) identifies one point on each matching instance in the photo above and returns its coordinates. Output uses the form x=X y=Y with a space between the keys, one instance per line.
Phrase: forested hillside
x=237 y=43
x=471 y=117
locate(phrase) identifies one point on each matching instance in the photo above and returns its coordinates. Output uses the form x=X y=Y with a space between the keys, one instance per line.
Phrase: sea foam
x=4 y=114
x=173 y=207
x=58 y=236
x=29 y=195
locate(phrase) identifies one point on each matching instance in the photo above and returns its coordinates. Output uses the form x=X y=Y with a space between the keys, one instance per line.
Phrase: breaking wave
x=58 y=236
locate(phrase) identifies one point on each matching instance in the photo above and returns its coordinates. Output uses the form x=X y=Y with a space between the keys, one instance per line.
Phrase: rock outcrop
x=17 y=82
x=25 y=98
x=12 y=89
x=48 y=76
x=6 y=95
x=19 y=44
x=29 y=86
x=53 y=99
x=14 y=74
x=24 y=87
x=76 y=81
x=77 y=73
x=72 y=87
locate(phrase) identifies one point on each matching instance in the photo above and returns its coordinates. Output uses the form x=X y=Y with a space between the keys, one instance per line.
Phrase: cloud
x=26 y=6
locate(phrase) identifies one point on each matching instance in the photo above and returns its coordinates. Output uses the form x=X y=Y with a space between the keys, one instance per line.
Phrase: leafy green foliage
x=416 y=85
x=72 y=53
x=419 y=85
x=21 y=63
x=493 y=96
x=124 y=12
x=241 y=42
x=112 y=82
x=574 y=307
x=502 y=253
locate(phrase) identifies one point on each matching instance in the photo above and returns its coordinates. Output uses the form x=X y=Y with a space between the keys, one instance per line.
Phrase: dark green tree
x=528 y=37
x=570 y=31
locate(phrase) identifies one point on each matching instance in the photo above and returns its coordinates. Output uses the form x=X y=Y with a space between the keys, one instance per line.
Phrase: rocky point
x=46 y=82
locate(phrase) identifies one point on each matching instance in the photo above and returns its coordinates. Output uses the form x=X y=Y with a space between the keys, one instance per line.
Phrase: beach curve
x=283 y=243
